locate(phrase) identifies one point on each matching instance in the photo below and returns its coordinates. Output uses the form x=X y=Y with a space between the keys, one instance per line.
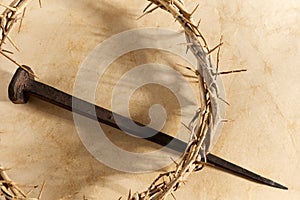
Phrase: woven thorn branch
x=207 y=118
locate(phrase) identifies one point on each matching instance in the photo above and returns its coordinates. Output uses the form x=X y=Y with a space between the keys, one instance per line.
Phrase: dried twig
x=10 y=190
x=8 y=18
x=42 y=190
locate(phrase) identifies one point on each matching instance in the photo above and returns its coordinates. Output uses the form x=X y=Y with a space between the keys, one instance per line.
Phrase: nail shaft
x=23 y=86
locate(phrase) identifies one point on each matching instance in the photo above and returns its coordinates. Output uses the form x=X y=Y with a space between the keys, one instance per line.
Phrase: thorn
x=129 y=195
x=194 y=10
x=40 y=3
x=16 y=63
x=12 y=43
x=7 y=51
x=148 y=12
x=218 y=56
x=174 y=162
x=173 y=195
x=22 y=18
x=9 y=58
x=198 y=24
x=232 y=71
x=148 y=6
x=42 y=189
x=216 y=47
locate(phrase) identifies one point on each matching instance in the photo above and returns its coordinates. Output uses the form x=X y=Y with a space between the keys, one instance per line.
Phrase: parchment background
x=39 y=142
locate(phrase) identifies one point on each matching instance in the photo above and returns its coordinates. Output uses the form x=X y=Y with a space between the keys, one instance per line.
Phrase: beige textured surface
x=39 y=142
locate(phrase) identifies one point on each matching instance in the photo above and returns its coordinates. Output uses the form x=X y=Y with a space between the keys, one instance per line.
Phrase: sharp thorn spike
x=148 y=6
x=194 y=10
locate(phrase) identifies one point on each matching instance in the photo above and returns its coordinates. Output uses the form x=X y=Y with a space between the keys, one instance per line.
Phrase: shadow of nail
x=4 y=82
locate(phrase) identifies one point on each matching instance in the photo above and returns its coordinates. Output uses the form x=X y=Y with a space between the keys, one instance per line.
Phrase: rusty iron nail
x=23 y=85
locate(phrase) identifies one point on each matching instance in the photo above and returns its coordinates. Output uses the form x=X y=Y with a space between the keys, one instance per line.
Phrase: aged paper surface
x=39 y=141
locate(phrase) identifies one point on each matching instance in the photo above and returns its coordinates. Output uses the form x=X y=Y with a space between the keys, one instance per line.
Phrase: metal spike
x=239 y=171
x=23 y=85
